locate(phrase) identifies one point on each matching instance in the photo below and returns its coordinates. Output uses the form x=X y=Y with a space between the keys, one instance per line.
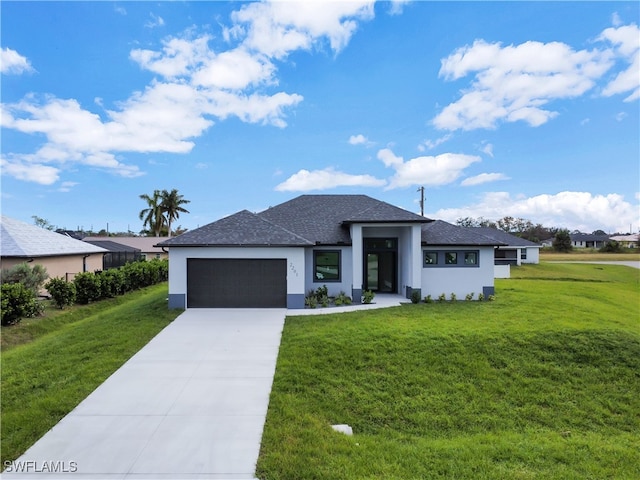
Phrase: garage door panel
x=236 y=283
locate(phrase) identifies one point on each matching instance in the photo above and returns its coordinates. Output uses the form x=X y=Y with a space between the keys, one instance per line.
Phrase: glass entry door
x=381 y=265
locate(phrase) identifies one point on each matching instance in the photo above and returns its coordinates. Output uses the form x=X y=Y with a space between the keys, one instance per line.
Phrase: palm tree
x=171 y=206
x=152 y=215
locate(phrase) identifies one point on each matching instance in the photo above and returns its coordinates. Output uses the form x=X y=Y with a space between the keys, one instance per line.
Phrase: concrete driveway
x=191 y=404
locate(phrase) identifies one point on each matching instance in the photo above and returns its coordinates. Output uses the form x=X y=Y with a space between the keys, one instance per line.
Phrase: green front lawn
x=542 y=383
x=49 y=365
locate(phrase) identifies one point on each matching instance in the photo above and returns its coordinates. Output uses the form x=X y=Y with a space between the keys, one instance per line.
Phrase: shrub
x=62 y=292
x=112 y=283
x=342 y=299
x=310 y=300
x=88 y=288
x=367 y=296
x=562 y=241
x=17 y=302
x=415 y=296
x=469 y=297
x=32 y=278
x=428 y=299
x=453 y=297
x=442 y=297
x=612 y=247
x=481 y=297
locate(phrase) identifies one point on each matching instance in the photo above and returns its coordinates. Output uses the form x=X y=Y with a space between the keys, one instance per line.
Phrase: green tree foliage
x=612 y=247
x=17 y=302
x=32 y=278
x=62 y=292
x=88 y=287
x=163 y=208
x=172 y=206
x=562 y=241
x=152 y=216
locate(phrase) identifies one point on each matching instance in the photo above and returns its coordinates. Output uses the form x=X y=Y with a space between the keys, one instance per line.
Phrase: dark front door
x=381 y=265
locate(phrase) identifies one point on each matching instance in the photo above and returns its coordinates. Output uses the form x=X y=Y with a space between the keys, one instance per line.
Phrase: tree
x=172 y=206
x=152 y=216
x=562 y=241
x=42 y=223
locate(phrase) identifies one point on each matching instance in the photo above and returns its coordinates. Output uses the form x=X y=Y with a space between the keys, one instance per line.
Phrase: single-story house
x=145 y=245
x=626 y=241
x=516 y=250
x=62 y=256
x=350 y=243
x=588 y=240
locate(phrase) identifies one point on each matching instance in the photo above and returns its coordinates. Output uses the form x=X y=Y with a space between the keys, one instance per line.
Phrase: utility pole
x=421 y=190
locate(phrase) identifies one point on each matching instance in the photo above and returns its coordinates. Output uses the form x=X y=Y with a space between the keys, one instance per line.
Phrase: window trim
x=424 y=258
x=315 y=266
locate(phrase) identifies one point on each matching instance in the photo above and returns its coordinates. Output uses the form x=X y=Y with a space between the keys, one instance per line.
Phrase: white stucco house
x=350 y=243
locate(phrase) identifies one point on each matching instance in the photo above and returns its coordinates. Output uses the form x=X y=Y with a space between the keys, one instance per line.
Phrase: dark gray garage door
x=236 y=283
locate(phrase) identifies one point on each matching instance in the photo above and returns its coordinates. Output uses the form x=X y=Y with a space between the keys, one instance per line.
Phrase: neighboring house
x=118 y=254
x=588 y=240
x=626 y=241
x=516 y=250
x=61 y=255
x=349 y=243
x=145 y=245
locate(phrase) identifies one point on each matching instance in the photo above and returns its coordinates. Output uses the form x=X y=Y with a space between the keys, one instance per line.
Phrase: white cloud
x=29 y=172
x=195 y=87
x=483 y=178
x=306 y=180
x=67 y=186
x=156 y=21
x=626 y=41
x=275 y=28
x=515 y=83
x=397 y=6
x=427 y=170
x=582 y=211
x=11 y=62
x=431 y=144
x=358 y=140
x=487 y=148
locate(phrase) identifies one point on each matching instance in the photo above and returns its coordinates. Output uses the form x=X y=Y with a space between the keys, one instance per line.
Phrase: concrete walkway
x=191 y=404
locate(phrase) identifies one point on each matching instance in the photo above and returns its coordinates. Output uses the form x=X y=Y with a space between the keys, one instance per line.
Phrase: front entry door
x=381 y=260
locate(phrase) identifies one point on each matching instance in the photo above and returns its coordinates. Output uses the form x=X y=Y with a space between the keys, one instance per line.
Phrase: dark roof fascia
x=386 y=222
x=235 y=245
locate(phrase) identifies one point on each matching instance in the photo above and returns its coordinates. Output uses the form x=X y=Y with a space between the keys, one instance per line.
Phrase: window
x=326 y=265
x=470 y=258
x=451 y=258
x=430 y=258
x=523 y=254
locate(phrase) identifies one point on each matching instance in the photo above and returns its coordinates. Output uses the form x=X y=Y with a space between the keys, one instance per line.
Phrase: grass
x=50 y=365
x=583 y=254
x=542 y=383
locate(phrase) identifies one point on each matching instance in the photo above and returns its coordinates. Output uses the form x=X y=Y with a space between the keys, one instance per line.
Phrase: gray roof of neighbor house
x=588 y=237
x=144 y=244
x=441 y=233
x=19 y=239
x=303 y=221
x=112 y=246
x=507 y=238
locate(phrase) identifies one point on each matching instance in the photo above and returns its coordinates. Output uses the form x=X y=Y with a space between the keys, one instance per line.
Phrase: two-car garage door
x=236 y=283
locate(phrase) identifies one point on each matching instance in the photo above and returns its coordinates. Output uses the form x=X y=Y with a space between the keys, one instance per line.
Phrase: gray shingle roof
x=19 y=239
x=506 y=238
x=241 y=229
x=443 y=233
x=324 y=219
x=303 y=221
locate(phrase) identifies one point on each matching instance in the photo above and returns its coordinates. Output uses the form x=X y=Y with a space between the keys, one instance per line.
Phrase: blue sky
x=507 y=108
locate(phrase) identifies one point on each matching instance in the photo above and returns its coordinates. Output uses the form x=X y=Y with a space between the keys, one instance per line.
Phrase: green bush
x=17 y=302
x=415 y=296
x=612 y=247
x=31 y=278
x=428 y=299
x=367 y=296
x=112 y=283
x=62 y=292
x=88 y=287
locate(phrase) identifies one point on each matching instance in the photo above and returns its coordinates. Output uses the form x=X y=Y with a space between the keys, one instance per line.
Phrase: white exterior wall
x=178 y=264
x=346 y=276
x=459 y=280
x=533 y=255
